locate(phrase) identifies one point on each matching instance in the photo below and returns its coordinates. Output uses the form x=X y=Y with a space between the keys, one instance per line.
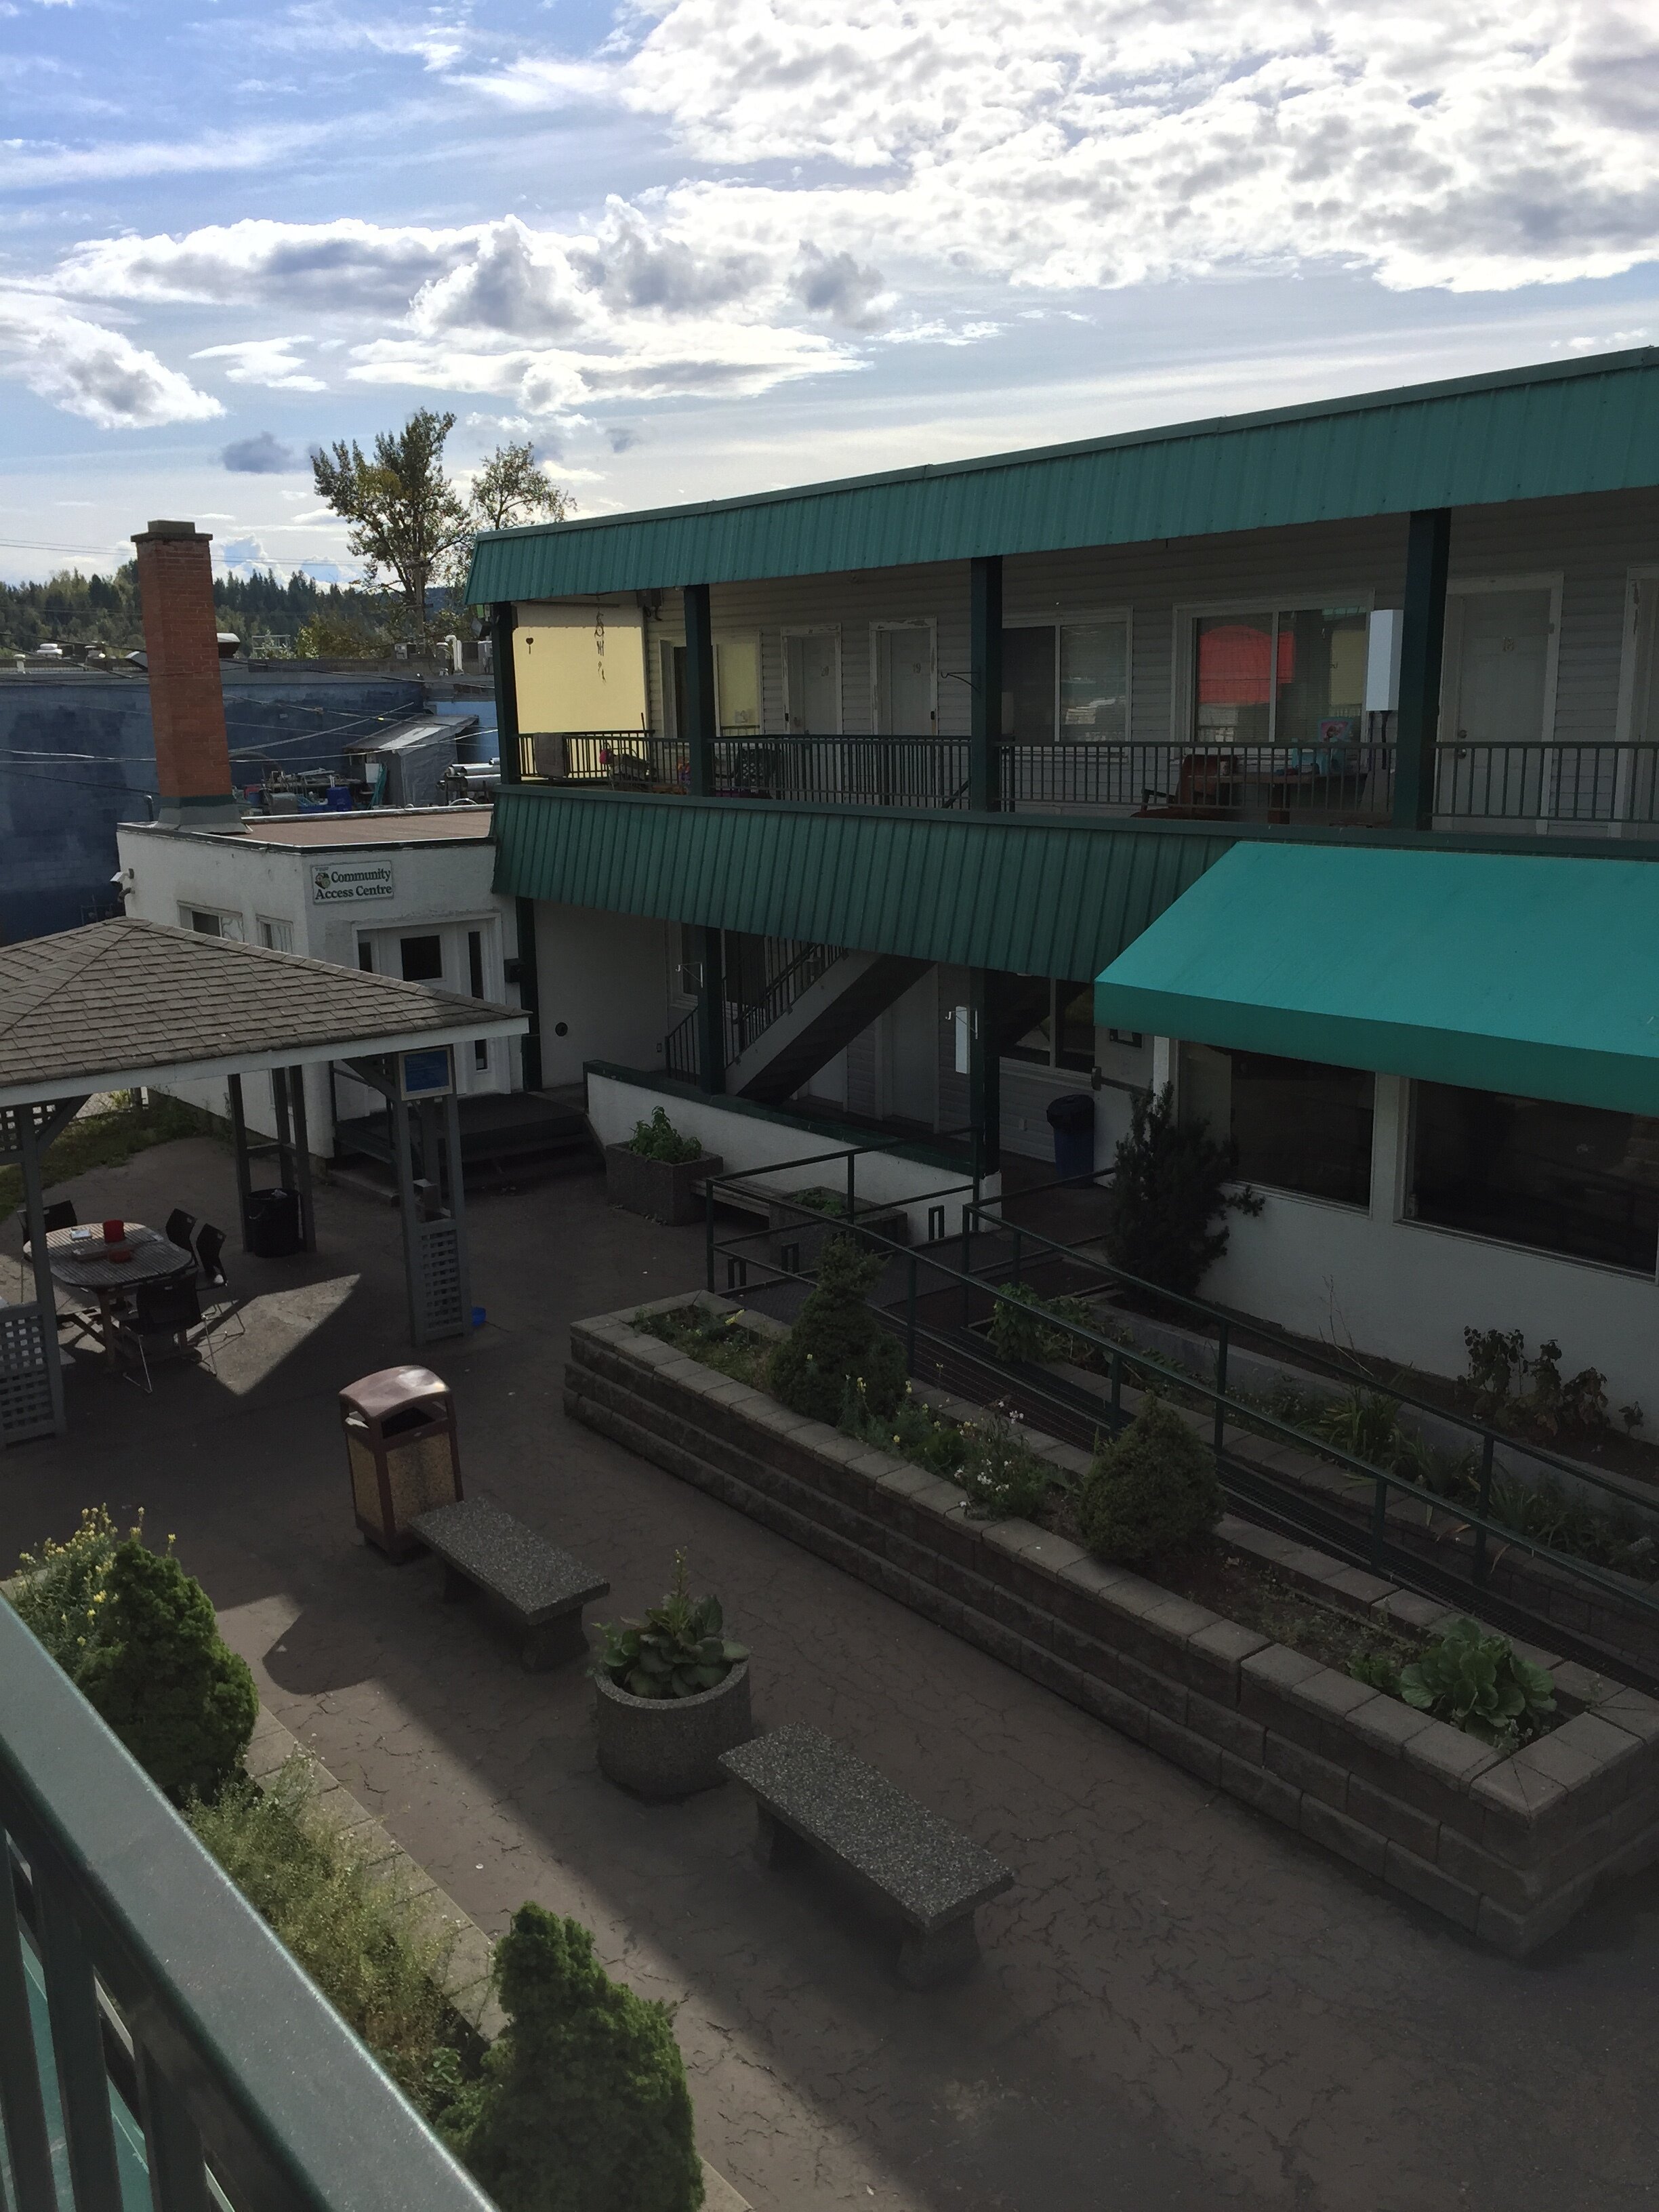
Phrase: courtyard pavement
x=1181 y=2006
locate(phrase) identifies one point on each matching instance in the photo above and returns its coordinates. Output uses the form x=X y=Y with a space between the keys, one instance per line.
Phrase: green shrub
x=912 y=1430
x=1026 y=1327
x=62 y=1596
x=1151 y=1494
x=658 y=1140
x=1378 y=1669
x=1169 y=1186
x=1003 y=1478
x=677 y=1651
x=718 y=1340
x=348 y=1925
x=582 y=2106
x=1551 y=1404
x=163 y=1678
x=1481 y=1685
x=837 y=1342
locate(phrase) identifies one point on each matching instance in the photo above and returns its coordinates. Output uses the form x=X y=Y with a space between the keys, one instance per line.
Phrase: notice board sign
x=347 y=883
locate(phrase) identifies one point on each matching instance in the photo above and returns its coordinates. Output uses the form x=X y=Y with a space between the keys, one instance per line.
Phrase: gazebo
x=127 y=1004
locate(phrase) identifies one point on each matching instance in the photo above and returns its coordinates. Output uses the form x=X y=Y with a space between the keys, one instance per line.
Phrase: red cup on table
x=115 y=1236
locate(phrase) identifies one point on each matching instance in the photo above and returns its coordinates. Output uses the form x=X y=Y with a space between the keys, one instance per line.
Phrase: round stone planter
x=660 y=1747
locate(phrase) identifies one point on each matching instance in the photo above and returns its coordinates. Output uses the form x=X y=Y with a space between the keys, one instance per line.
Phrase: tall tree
x=511 y=487
x=406 y=519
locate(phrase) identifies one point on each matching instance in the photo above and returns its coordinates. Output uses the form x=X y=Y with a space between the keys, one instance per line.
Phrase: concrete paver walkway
x=1180 y=2007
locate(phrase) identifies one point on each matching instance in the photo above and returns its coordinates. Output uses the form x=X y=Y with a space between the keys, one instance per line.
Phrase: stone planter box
x=661 y=1747
x=662 y=1190
x=1511 y=1848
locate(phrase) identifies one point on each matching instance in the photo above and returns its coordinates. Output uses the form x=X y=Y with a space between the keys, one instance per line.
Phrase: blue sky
x=697 y=246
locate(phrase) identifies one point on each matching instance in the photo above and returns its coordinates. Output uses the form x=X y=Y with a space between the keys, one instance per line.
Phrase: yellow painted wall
x=567 y=682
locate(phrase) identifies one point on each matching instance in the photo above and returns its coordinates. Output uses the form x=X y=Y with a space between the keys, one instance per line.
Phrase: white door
x=462 y=957
x=906 y=706
x=909 y=1054
x=811 y=676
x=1496 y=689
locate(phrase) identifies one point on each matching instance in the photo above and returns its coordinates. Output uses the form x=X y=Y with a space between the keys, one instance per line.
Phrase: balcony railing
x=1530 y=785
x=155 y=2039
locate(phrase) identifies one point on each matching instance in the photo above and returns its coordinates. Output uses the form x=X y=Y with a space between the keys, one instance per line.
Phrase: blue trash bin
x=1072 y=1117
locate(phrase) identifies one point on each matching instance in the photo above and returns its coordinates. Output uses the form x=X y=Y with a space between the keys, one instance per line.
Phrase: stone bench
x=534 y=1589
x=811 y=1795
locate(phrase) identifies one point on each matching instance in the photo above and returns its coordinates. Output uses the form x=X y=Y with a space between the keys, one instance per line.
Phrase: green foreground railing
x=181 y=2056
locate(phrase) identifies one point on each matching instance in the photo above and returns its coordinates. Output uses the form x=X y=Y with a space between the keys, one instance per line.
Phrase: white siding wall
x=1593 y=541
x=606 y=977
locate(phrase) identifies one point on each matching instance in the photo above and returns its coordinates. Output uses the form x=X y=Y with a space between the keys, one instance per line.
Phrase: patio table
x=80 y=1260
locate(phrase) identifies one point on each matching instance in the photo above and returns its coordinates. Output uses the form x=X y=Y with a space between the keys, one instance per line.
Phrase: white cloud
x=93 y=371
x=270 y=361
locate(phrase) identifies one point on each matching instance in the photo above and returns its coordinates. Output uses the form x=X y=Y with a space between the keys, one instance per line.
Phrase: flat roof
x=123 y=1003
x=463 y=823
x=1555 y=429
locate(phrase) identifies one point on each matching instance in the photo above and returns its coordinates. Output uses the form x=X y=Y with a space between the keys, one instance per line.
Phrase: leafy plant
x=1151 y=1494
x=347 y=1923
x=1168 y=1190
x=1481 y=1685
x=1378 y=1669
x=1025 y=1326
x=1551 y=1404
x=719 y=1340
x=658 y=1140
x=837 y=1341
x=1003 y=1478
x=182 y=1702
x=582 y=2105
x=820 y=1198
x=677 y=1651
x=62 y=1588
x=912 y=1430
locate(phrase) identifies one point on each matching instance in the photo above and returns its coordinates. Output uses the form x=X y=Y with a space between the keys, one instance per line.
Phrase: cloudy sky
x=696 y=246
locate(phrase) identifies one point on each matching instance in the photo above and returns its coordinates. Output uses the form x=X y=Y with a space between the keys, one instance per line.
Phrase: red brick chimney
x=186 y=693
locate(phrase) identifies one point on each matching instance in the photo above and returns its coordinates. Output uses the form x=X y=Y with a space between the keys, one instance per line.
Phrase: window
x=208 y=921
x=1297 y=1125
x=275 y=936
x=423 y=959
x=738 y=685
x=1066 y=679
x=474 y=979
x=1576 y=1180
x=1294 y=679
x=366 y=956
x=1059 y=1018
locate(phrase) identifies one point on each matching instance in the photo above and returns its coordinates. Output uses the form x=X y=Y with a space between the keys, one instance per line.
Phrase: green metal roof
x=1579 y=426
x=1500 y=972
x=1037 y=896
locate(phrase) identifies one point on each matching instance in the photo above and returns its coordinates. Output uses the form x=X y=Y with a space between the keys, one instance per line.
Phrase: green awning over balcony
x=1036 y=896
x=1500 y=972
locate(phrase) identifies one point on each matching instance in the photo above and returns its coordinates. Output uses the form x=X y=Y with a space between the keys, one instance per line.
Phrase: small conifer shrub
x=582 y=2106
x=837 y=1344
x=1168 y=1201
x=164 y=1678
x=1151 y=1494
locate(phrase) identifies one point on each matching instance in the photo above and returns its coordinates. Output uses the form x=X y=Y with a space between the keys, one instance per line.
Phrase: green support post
x=984 y=1073
x=702 y=729
x=1416 y=727
x=984 y=681
x=711 y=1012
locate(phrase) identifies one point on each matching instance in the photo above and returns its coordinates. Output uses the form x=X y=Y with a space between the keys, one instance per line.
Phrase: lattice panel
x=438 y=1278
x=25 y=1382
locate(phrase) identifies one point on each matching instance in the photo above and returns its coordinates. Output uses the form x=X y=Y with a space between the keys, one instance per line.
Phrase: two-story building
x=1304 y=760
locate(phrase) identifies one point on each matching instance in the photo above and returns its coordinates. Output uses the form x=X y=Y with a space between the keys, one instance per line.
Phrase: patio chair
x=59 y=1215
x=164 y=1314
x=220 y=1312
x=179 y=1227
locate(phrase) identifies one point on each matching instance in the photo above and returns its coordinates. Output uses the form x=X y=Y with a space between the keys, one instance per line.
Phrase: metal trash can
x=402 y=1450
x=273 y=1223
x=1072 y=1117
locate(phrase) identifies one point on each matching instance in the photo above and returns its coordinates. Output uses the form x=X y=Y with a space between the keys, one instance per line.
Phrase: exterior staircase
x=813 y=1007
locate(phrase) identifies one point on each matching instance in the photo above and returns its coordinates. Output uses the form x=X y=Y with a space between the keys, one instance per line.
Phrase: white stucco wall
x=604 y=977
x=1407 y=1291
x=435 y=882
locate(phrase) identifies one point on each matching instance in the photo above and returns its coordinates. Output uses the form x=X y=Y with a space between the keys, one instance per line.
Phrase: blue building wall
x=77 y=756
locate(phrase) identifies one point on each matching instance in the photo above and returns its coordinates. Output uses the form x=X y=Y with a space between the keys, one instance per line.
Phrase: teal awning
x=1499 y=971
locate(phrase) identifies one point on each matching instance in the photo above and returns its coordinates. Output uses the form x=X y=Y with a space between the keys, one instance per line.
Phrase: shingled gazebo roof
x=123 y=1003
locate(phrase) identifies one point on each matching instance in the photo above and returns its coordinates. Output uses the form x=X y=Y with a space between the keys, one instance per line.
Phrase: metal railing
x=1386 y=1536
x=149 y=2018
x=743 y=1021
x=1589 y=784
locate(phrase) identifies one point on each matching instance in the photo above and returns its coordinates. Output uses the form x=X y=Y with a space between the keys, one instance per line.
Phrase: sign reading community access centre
x=340 y=882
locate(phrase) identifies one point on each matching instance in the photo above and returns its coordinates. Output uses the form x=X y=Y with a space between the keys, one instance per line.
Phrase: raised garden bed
x=1510 y=1846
